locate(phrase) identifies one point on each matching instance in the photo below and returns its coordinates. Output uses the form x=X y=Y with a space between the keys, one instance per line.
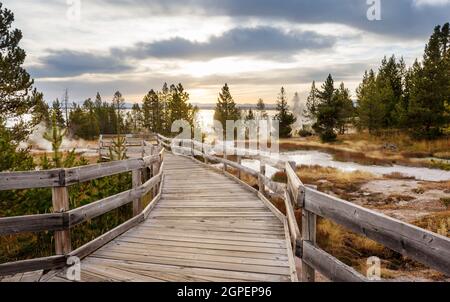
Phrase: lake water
x=323 y=159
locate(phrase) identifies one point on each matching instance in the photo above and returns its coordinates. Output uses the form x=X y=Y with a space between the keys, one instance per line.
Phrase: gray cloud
x=66 y=63
x=260 y=41
x=400 y=18
x=82 y=89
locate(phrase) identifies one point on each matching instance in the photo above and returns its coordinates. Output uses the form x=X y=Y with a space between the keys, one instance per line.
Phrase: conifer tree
x=261 y=108
x=284 y=116
x=370 y=110
x=55 y=135
x=226 y=108
x=15 y=82
x=58 y=114
x=428 y=111
x=327 y=111
x=311 y=103
x=346 y=109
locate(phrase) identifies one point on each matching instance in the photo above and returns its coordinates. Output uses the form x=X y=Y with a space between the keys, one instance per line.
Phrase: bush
x=328 y=136
x=305 y=133
x=280 y=177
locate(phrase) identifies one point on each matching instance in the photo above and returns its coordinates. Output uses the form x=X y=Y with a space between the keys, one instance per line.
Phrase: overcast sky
x=256 y=46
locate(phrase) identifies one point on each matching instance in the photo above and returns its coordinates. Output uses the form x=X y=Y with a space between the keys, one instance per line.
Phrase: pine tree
x=55 y=136
x=58 y=114
x=152 y=112
x=41 y=110
x=390 y=82
x=165 y=99
x=179 y=106
x=137 y=118
x=370 y=109
x=226 y=109
x=118 y=104
x=428 y=112
x=15 y=82
x=65 y=103
x=261 y=108
x=284 y=116
x=346 y=108
x=311 y=104
x=327 y=111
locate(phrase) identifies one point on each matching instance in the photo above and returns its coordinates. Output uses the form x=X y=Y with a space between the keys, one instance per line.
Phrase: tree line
x=415 y=100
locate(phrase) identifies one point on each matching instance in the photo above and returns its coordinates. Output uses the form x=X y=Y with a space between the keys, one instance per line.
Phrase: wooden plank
x=137 y=182
x=198 y=251
x=100 y=207
x=198 y=263
x=92 y=246
x=211 y=234
x=60 y=201
x=174 y=242
x=33 y=223
x=87 y=173
x=169 y=254
x=140 y=266
x=295 y=186
x=309 y=221
x=29 y=180
x=329 y=266
x=294 y=230
x=46 y=263
x=426 y=247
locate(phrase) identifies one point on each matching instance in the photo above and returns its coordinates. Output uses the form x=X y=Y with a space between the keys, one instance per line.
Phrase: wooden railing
x=147 y=174
x=421 y=245
x=134 y=144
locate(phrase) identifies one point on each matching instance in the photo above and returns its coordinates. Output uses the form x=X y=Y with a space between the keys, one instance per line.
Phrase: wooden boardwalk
x=205 y=227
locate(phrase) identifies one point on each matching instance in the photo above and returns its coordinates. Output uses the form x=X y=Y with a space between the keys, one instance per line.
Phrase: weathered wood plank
x=426 y=247
x=60 y=201
x=329 y=266
x=94 y=245
x=100 y=207
x=46 y=263
x=29 y=180
x=33 y=223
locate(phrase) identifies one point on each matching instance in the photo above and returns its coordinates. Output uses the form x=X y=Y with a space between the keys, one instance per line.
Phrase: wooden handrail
x=70 y=176
x=64 y=219
x=421 y=245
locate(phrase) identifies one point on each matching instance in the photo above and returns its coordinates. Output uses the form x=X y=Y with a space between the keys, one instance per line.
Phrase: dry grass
x=349 y=247
x=384 y=150
x=332 y=180
x=438 y=223
x=442 y=186
x=398 y=175
x=446 y=201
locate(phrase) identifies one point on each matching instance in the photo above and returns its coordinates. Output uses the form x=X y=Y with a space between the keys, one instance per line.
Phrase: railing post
x=262 y=172
x=225 y=156
x=60 y=201
x=155 y=171
x=309 y=221
x=239 y=161
x=205 y=158
x=137 y=181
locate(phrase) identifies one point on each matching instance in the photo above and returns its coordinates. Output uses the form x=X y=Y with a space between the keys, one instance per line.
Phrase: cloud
x=400 y=18
x=67 y=63
x=259 y=41
x=134 y=87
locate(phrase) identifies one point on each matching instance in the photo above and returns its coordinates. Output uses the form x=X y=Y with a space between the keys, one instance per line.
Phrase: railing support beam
x=309 y=221
x=60 y=201
x=137 y=182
